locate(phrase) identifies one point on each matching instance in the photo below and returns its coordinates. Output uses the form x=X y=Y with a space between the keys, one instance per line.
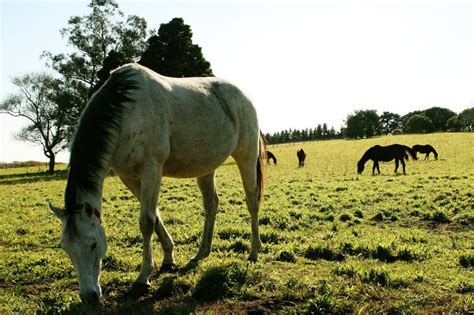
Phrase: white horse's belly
x=193 y=166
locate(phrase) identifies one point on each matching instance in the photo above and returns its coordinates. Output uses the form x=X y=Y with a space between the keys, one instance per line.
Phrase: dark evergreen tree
x=171 y=52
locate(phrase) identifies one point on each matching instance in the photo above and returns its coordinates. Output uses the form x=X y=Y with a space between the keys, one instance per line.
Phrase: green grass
x=333 y=241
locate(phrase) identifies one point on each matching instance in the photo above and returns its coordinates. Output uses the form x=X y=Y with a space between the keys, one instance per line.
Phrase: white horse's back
x=191 y=124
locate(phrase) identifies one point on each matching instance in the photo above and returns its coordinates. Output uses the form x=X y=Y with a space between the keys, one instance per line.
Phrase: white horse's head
x=83 y=239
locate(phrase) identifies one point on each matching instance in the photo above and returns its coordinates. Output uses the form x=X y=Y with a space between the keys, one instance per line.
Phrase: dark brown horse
x=385 y=154
x=301 y=157
x=271 y=156
x=426 y=149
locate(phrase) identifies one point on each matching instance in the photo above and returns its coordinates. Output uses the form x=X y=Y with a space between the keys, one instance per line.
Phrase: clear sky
x=301 y=62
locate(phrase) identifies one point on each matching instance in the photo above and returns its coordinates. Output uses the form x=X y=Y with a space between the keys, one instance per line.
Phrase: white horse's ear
x=60 y=213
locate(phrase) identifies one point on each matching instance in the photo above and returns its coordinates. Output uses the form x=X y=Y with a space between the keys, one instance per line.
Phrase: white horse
x=145 y=126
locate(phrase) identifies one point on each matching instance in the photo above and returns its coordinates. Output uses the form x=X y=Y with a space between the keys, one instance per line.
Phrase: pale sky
x=302 y=63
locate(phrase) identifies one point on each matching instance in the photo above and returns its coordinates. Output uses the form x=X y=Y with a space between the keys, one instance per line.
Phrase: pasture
x=333 y=241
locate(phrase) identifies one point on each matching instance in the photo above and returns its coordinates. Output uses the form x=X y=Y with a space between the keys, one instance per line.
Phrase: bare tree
x=40 y=101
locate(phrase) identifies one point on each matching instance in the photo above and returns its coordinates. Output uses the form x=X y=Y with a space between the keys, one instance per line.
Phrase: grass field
x=333 y=241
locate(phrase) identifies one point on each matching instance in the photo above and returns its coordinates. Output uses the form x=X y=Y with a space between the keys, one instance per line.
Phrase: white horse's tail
x=261 y=168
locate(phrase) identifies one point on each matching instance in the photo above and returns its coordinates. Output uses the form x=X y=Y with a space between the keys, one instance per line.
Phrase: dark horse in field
x=301 y=157
x=426 y=149
x=385 y=154
x=271 y=156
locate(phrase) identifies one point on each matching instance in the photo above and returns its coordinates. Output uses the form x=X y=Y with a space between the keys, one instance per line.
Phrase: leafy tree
x=39 y=101
x=362 y=123
x=409 y=115
x=172 y=53
x=418 y=124
x=105 y=32
x=389 y=122
x=453 y=123
x=439 y=116
x=466 y=119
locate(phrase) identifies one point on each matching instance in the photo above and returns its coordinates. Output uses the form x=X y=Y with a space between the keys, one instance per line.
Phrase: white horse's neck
x=77 y=194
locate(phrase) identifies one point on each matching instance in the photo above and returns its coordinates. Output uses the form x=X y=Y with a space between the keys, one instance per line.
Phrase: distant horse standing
x=385 y=154
x=301 y=157
x=426 y=149
x=146 y=126
x=271 y=156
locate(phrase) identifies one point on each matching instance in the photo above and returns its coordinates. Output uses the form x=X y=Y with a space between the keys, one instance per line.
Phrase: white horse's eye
x=93 y=246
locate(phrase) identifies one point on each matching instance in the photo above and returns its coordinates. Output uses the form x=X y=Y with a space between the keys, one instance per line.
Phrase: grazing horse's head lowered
x=83 y=239
x=377 y=153
x=301 y=157
x=145 y=126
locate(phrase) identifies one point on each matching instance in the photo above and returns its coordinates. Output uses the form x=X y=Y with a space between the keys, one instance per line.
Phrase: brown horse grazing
x=301 y=157
x=271 y=156
x=426 y=149
x=379 y=153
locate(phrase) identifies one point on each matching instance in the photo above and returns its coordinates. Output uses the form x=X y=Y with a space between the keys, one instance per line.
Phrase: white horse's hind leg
x=207 y=187
x=166 y=243
x=248 y=172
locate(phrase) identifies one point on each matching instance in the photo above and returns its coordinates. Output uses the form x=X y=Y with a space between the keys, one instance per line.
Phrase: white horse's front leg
x=150 y=187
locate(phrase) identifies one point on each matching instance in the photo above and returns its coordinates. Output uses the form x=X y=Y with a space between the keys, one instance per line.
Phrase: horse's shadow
x=166 y=286
x=167 y=295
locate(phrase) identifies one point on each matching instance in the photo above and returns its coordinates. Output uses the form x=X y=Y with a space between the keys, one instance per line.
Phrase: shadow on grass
x=26 y=178
x=34 y=177
x=169 y=297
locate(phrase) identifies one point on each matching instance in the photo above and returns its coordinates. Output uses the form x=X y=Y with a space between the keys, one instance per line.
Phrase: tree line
x=368 y=123
x=320 y=132
x=101 y=41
